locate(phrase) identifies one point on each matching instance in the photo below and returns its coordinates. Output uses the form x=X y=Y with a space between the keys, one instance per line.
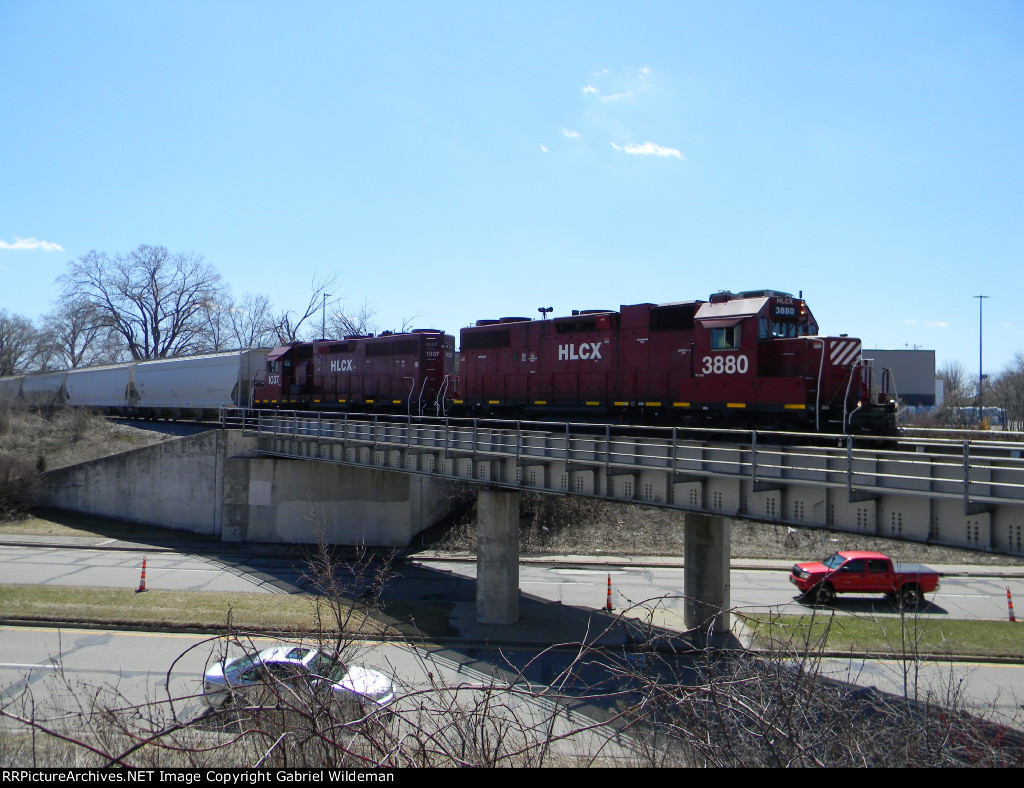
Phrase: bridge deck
x=955 y=492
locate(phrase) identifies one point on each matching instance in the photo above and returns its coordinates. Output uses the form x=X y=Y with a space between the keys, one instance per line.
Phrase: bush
x=19 y=483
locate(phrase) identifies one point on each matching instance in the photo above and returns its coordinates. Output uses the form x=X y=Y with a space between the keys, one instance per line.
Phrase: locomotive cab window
x=725 y=338
x=792 y=328
x=783 y=329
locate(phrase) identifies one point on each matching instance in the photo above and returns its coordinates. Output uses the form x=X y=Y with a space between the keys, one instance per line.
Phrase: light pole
x=323 y=318
x=981 y=376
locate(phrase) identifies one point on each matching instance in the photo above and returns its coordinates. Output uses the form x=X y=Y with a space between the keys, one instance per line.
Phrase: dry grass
x=159 y=608
x=563 y=524
x=33 y=441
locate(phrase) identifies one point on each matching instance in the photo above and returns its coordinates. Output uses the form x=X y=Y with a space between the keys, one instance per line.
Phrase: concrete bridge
x=956 y=492
x=951 y=491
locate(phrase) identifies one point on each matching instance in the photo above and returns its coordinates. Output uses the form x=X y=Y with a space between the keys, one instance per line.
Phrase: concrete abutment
x=215 y=484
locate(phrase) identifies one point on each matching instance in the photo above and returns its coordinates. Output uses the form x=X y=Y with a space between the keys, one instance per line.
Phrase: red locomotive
x=751 y=360
x=407 y=373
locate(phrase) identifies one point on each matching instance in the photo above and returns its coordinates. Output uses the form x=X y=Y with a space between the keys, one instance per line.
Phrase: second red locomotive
x=752 y=359
x=405 y=373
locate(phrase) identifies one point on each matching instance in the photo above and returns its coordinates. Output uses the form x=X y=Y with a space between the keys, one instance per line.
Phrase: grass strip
x=176 y=609
x=922 y=636
x=51 y=522
x=209 y=610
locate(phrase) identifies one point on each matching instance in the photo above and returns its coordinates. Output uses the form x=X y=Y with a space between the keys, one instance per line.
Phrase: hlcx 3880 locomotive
x=752 y=359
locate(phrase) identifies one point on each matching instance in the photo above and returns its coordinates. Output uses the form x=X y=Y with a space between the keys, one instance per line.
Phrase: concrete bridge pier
x=497 y=551
x=706 y=550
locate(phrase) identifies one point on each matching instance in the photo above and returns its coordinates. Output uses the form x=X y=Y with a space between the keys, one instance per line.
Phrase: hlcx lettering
x=342 y=365
x=587 y=351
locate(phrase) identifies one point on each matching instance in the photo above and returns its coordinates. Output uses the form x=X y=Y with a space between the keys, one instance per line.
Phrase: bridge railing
x=979 y=472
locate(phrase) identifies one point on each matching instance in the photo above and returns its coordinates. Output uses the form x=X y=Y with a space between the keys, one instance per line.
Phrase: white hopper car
x=188 y=387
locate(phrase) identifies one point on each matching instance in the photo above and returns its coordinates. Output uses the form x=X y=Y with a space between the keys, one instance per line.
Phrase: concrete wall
x=173 y=484
x=276 y=500
x=212 y=484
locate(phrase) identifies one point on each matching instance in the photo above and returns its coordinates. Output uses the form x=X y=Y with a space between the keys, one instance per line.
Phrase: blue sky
x=466 y=160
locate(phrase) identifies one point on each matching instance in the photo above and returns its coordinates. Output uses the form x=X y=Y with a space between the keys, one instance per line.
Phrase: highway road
x=58 y=670
x=107 y=568
x=53 y=672
x=557 y=597
x=582 y=585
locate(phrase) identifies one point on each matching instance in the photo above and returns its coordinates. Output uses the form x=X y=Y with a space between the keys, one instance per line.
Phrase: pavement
x=541 y=623
x=989 y=685
x=199 y=544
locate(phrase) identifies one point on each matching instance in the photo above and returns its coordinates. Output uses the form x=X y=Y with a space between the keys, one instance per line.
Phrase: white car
x=281 y=669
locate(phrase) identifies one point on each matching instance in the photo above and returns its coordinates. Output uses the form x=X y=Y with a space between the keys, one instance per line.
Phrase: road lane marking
x=25 y=666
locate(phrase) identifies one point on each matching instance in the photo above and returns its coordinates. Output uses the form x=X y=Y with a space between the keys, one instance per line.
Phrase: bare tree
x=156 y=301
x=1008 y=389
x=75 y=334
x=361 y=320
x=358 y=321
x=231 y=325
x=957 y=390
x=18 y=344
x=288 y=324
x=252 y=321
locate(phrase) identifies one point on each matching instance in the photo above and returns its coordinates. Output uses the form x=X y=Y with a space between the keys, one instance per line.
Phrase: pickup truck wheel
x=910 y=596
x=823 y=594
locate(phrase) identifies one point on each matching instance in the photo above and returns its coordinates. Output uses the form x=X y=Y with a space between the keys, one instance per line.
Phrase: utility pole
x=981 y=375
x=323 y=318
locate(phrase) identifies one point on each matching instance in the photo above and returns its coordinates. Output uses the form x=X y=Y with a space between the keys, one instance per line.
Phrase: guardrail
x=696 y=469
x=973 y=471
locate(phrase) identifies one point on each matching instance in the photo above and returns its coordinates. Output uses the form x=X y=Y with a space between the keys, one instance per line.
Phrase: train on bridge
x=186 y=387
x=748 y=360
x=751 y=359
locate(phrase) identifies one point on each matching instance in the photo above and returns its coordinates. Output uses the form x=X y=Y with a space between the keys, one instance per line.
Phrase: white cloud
x=30 y=244
x=647 y=149
x=925 y=323
x=570 y=134
x=627 y=94
x=543 y=148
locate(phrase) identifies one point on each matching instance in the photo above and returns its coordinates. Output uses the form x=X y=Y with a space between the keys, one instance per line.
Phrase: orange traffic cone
x=142 y=580
x=1009 y=604
x=608 y=604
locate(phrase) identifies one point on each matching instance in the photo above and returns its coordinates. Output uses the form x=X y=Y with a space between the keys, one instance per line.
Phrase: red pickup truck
x=859 y=572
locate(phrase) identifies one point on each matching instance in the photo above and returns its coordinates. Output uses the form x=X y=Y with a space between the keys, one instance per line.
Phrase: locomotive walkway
x=953 y=491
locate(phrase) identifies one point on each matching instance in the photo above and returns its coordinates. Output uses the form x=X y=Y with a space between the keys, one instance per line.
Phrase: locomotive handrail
x=408 y=399
x=817 y=389
x=419 y=398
